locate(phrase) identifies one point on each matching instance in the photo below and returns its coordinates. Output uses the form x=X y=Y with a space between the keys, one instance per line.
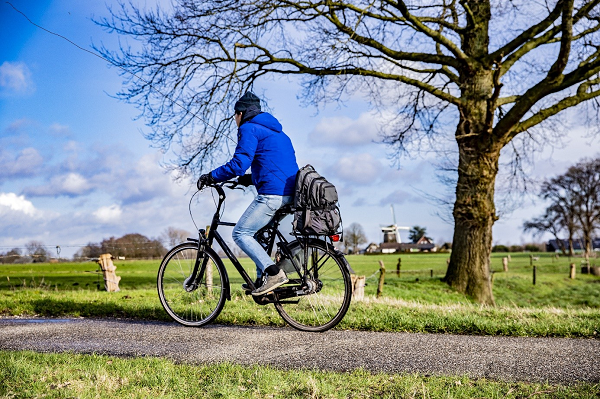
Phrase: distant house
x=578 y=245
x=424 y=244
x=372 y=248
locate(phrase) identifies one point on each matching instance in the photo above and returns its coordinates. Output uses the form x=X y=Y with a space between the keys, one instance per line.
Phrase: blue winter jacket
x=263 y=146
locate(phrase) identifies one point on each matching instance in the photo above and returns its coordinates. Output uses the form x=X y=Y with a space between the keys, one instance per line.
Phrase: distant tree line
x=131 y=246
x=34 y=252
x=574 y=207
x=519 y=248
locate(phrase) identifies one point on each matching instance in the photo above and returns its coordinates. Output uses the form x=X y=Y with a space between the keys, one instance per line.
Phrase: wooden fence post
x=508 y=256
x=381 y=279
x=534 y=273
x=111 y=280
x=398 y=266
x=530 y=260
x=505 y=263
x=572 y=273
x=209 y=277
x=359 y=288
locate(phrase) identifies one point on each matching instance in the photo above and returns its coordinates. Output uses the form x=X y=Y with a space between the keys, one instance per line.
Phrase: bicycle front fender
x=219 y=264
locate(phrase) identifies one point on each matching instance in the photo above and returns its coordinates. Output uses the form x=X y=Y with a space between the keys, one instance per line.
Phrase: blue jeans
x=259 y=214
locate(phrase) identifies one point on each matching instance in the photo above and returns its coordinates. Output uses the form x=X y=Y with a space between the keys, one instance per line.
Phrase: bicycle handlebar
x=230 y=184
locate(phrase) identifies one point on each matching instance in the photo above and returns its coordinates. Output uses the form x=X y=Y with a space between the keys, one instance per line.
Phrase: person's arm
x=242 y=158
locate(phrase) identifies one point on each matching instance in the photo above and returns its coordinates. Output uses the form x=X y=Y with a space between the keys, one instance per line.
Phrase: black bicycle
x=193 y=283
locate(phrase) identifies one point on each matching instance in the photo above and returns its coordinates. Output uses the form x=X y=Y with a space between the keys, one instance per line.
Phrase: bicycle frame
x=208 y=239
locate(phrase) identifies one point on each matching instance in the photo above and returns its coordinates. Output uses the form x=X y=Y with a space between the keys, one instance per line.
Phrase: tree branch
x=397 y=55
x=582 y=95
x=528 y=34
x=565 y=42
x=337 y=71
x=436 y=36
x=546 y=38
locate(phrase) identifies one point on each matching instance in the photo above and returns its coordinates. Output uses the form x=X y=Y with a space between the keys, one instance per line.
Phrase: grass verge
x=386 y=314
x=26 y=374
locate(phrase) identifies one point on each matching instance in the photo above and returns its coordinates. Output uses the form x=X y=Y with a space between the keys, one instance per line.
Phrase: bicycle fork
x=192 y=282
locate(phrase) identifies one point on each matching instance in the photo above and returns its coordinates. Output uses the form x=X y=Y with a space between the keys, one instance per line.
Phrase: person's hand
x=205 y=179
x=245 y=180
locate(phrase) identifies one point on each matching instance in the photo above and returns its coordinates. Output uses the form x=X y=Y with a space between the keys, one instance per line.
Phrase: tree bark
x=474 y=215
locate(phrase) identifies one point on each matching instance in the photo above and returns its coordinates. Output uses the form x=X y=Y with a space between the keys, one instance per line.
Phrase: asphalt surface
x=557 y=360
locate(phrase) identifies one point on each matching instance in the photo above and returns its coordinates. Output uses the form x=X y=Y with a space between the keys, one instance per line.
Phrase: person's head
x=249 y=102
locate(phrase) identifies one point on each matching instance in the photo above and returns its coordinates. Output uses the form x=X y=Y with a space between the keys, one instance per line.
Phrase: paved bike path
x=557 y=360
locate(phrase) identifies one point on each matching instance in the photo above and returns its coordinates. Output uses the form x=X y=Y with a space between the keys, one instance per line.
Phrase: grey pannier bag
x=315 y=204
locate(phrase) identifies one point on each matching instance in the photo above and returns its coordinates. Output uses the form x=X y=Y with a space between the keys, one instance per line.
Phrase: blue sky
x=75 y=168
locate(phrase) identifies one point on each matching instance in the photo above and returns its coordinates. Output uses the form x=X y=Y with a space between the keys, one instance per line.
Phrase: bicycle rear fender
x=330 y=247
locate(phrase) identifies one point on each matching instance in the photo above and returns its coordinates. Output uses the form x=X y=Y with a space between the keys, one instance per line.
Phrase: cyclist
x=265 y=149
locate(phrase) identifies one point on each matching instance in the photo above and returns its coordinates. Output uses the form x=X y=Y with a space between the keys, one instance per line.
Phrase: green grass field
x=414 y=301
x=31 y=375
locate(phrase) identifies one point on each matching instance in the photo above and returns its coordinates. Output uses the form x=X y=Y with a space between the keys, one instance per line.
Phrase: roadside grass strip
x=26 y=374
x=384 y=314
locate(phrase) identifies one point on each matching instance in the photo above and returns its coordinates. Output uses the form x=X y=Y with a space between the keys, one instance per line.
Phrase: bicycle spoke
x=198 y=306
x=321 y=310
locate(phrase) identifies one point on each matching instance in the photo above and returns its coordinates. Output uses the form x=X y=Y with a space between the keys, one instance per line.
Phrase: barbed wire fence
x=54 y=251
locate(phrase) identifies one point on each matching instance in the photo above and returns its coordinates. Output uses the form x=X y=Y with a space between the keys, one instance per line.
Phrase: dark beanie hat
x=246 y=101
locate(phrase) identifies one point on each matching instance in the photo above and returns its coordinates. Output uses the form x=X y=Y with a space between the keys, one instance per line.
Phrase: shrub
x=535 y=247
x=499 y=248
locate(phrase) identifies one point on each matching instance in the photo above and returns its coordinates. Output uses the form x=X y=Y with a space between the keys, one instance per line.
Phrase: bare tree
x=11 y=256
x=354 y=236
x=549 y=222
x=560 y=192
x=584 y=179
x=91 y=250
x=495 y=71
x=133 y=246
x=37 y=251
x=173 y=236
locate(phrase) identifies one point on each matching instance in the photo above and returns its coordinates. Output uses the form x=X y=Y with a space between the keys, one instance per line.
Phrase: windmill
x=392 y=233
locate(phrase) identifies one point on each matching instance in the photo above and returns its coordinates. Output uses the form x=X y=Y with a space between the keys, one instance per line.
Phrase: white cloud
x=58 y=130
x=26 y=163
x=15 y=77
x=108 y=214
x=69 y=184
x=345 y=131
x=362 y=169
x=398 y=197
x=13 y=202
x=146 y=181
x=74 y=183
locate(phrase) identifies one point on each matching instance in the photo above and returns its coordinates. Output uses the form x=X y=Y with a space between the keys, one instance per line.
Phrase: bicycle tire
x=200 y=306
x=324 y=309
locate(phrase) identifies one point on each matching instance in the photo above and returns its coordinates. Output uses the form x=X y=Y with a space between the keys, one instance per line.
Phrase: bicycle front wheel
x=191 y=307
x=328 y=274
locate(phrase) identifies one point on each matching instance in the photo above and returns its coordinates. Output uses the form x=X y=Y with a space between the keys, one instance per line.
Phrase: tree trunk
x=474 y=215
x=479 y=150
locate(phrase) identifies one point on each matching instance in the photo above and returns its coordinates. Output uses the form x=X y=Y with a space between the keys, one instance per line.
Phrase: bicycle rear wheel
x=201 y=305
x=326 y=307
